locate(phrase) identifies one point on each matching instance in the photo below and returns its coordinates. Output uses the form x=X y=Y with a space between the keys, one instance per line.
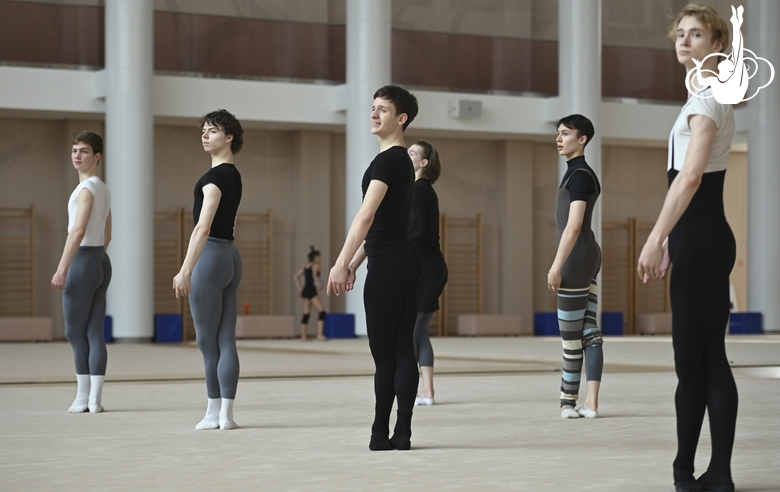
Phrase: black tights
x=700 y=310
x=389 y=297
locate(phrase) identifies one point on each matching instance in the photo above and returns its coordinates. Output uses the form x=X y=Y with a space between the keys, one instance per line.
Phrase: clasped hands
x=341 y=279
x=653 y=262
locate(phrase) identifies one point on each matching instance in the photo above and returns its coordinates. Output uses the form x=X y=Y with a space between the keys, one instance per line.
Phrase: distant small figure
x=308 y=292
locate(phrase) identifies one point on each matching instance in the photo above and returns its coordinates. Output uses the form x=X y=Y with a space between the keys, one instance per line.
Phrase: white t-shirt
x=721 y=114
x=101 y=204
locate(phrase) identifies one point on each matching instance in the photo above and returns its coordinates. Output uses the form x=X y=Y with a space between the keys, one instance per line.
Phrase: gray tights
x=214 y=305
x=84 y=308
x=423 y=349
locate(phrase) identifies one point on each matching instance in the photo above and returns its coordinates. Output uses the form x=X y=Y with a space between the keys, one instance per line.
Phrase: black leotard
x=309 y=287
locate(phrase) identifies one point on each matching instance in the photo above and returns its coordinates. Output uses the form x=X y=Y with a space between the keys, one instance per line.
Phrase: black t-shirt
x=389 y=231
x=581 y=184
x=424 y=217
x=227 y=178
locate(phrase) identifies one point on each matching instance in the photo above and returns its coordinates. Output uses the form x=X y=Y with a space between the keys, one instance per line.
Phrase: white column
x=762 y=17
x=130 y=165
x=579 y=81
x=369 y=43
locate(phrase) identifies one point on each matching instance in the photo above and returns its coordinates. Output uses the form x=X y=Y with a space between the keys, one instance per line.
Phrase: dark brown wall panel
x=249 y=47
x=234 y=47
x=51 y=34
x=642 y=73
x=464 y=62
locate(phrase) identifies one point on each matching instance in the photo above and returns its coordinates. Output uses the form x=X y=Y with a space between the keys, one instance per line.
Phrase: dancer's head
x=222 y=121
x=393 y=106
x=314 y=255
x=574 y=132
x=697 y=31
x=86 y=150
x=426 y=162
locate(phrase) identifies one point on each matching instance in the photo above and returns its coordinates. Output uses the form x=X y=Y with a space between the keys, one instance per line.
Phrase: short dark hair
x=228 y=123
x=313 y=253
x=403 y=100
x=580 y=124
x=90 y=138
x=432 y=171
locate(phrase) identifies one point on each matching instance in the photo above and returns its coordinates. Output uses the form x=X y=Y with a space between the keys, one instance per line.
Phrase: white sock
x=82 y=394
x=421 y=400
x=569 y=413
x=586 y=412
x=211 y=420
x=226 y=415
x=96 y=394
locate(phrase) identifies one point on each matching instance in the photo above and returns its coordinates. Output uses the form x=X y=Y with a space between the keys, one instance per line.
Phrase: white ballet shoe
x=586 y=412
x=208 y=422
x=78 y=406
x=423 y=401
x=95 y=407
x=569 y=413
x=227 y=425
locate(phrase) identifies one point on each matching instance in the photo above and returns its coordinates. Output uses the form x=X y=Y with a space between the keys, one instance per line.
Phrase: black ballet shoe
x=380 y=442
x=707 y=484
x=400 y=444
x=687 y=486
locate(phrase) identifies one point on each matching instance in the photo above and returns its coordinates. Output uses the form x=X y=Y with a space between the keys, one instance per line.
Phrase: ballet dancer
x=212 y=268
x=692 y=233
x=393 y=267
x=573 y=272
x=84 y=272
x=424 y=231
x=308 y=292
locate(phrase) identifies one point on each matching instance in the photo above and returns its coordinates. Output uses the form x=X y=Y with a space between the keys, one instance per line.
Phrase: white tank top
x=101 y=204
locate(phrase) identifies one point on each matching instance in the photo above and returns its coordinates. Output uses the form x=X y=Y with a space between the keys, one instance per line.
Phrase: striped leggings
x=580 y=333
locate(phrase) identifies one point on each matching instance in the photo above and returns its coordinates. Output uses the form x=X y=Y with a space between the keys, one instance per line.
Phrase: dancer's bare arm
x=75 y=236
x=340 y=273
x=569 y=237
x=679 y=196
x=200 y=234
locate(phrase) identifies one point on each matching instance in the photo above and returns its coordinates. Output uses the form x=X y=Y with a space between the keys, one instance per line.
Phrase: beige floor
x=305 y=411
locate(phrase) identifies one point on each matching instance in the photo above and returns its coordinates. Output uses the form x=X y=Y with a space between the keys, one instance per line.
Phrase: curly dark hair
x=90 y=138
x=403 y=100
x=228 y=123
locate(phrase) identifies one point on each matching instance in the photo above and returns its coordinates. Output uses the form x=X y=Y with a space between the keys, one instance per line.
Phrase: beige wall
x=300 y=177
